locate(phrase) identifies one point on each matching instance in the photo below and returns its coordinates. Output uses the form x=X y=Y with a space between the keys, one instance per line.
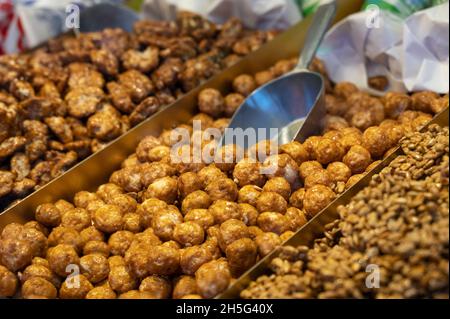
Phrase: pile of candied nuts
x=62 y=102
x=188 y=230
x=398 y=226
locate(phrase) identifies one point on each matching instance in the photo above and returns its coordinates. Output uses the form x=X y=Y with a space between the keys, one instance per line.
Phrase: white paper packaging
x=413 y=53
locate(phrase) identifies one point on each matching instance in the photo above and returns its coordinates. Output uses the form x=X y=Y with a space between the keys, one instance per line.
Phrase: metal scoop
x=278 y=109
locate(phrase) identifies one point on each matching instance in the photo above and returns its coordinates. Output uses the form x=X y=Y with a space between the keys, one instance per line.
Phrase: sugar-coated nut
x=232 y=103
x=296 y=218
x=309 y=168
x=108 y=190
x=200 y=216
x=249 y=194
x=192 y=258
x=108 y=219
x=195 y=200
x=395 y=104
x=249 y=214
x=353 y=180
x=209 y=174
x=148 y=209
x=297 y=151
x=345 y=89
x=328 y=151
x=212 y=245
x=188 y=234
x=164 y=189
x=339 y=172
x=350 y=138
x=15 y=254
x=115 y=261
x=254 y=232
x=48 y=215
x=372 y=166
x=132 y=222
x=65 y=235
x=333 y=122
x=241 y=256
x=120 y=241
x=101 y=292
x=163 y=261
x=278 y=185
x=224 y=210
x=422 y=101
x=77 y=218
x=158 y=286
x=12 y=231
x=38 y=287
x=244 y=84
x=126 y=203
x=121 y=279
x=223 y=188
x=357 y=159
x=310 y=144
x=145 y=146
x=75 y=287
x=61 y=257
x=317 y=198
x=136 y=259
x=263 y=77
x=82 y=199
x=230 y=231
x=8 y=282
x=96 y=247
x=165 y=222
x=374 y=140
x=184 y=286
x=213 y=278
x=267 y=242
x=248 y=172
x=211 y=102
x=286 y=235
x=273 y=222
x=319 y=177
x=188 y=183
x=94 y=267
x=334 y=105
x=296 y=199
x=271 y=202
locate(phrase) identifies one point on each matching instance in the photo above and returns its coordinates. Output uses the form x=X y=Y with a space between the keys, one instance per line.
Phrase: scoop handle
x=320 y=24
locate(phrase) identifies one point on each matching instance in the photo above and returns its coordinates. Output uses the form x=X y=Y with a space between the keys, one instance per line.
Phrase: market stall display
x=66 y=100
x=159 y=229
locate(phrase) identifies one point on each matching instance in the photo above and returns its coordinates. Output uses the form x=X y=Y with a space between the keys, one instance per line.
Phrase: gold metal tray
x=315 y=227
x=96 y=169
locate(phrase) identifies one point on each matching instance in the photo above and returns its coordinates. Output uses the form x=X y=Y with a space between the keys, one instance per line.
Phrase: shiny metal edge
x=315 y=228
x=96 y=169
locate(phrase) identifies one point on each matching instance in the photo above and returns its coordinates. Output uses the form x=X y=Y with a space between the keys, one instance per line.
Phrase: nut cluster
x=161 y=229
x=398 y=227
x=70 y=98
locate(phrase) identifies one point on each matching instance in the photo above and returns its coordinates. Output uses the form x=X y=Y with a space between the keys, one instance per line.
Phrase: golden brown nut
x=333 y=122
x=158 y=153
x=248 y=172
x=249 y=194
x=48 y=215
x=126 y=203
x=350 y=137
x=171 y=244
x=244 y=84
x=164 y=189
x=374 y=140
x=91 y=233
x=328 y=151
x=61 y=258
x=296 y=199
x=278 y=185
x=94 y=267
x=393 y=134
x=209 y=174
x=188 y=234
x=15 y=254
x=283 y=67
x=224 y=210
x=145 y=146
x=158 y=286
x=136 y=259
x=192 y=258
x=263 y=150
x=395 y=104
x=82 y=199
x=96 y=247
x=121 y=279
x=357 y=159
x=135 y=294
x=309 y=168
x=317 y=198
x=203 y=119
x=372 y=166
x=230 y=231
x=296 y=151
x=422 y=101
x=8 y=282
x=232 y=103
x=64 y=235
x=241 y=256
x=200 y=216
x=438 y=105
x=286 y=235
x=195 y=200
x=296 y=218
x=263 y=77
x=108 y=219
x=40 y=261
x=164 y=223
x=101 y=292
x=115 y=261
x=120 y=241
x=94 y=205
x=334 y=105
x=75 y=287
x=310 y=144
x=148 y=209
x=211 y=102
x=267 y=242
x=271 y=202
x=353 y=180
x=143 y=61
x=249 y=214
x=77 y=218
x=224 y=189
x=319 y=177
x=12 y=231
x=213 y=278
x=163 y=260
x=108 y=190
x=345 y=89
x=339 y=172
x=188 y=183
x=184 y=286
x=421 y=121
x=40 y=271
x=273 y=222
x=38 y=287
x=254 y=232
x=132 y=223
